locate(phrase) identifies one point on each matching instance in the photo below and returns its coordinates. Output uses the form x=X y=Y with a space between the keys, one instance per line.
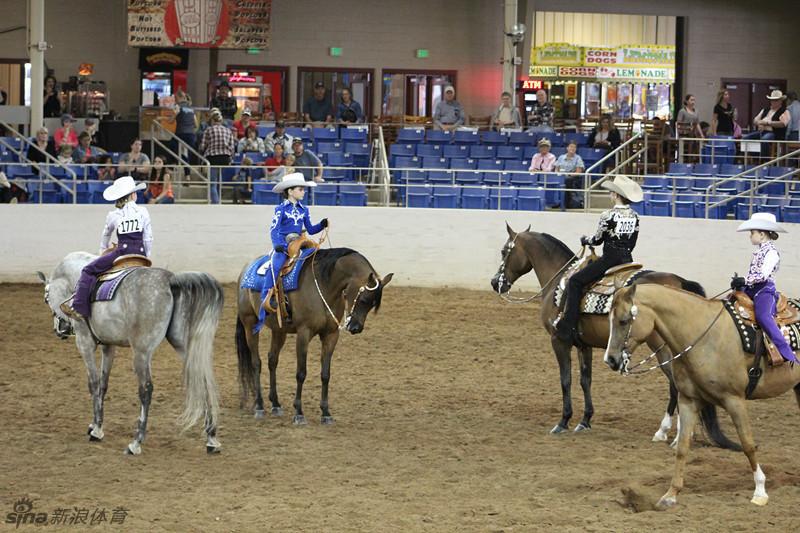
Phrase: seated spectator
x=243 y=182
x=572 y=164
x=349 y=111
x=135 y=163
x=449 y=114
x=543 y=161
x=605 y=135
x=251 y=142
x=307 y=162
x=279 y=136
x=242 y=124
x=287 y=167
x=11 y=193
x=317 y=110
x=85 y=152
x=772 y=122
x=66 y=133
x=540 y=119
x=106 y=171
x=91 y=126
x=507 y=115
x=277 y=158
x=159 y=188
x=42 y=146
x=65 y=155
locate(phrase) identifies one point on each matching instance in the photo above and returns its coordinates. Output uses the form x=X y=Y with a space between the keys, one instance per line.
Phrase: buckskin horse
x=150 y=304
x=710 y=365
x=548 y=257
x=337 y=288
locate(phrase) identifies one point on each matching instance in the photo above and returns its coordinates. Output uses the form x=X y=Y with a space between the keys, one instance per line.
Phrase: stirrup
x=70 y=312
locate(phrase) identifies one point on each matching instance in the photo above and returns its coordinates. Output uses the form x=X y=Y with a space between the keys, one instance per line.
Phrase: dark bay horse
x=548 y=257
x=710 y=367
x=338 y=287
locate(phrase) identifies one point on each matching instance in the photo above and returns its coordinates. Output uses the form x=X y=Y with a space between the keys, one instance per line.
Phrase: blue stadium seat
x=474 y=197
x=654 y=182
x=411 y=135
x=510 y=152
x=439 y=137
x=418 y=196
x=402 y=149
x=705 y=169
x=553 y=185
x=442 y=177
x=360 y=152
x=482 y=152
x=679 y=169
x=353 y=194
x=502 y=198
x=493 y=138
x=728 y=170
x=529 y=152
x=294 y=131
x=491 y=165
x=353 y=135
x=445 y=196
x=327 y=147
x=530 y=200
x=407 y=162
x=456 y=151
x=775 y=209
x=430 y=150
x=263 y=195
x=582 y=139
x=514 y=165
x=463 y=164
x=791 y=213
x=469 y=177
x=524 y=179
x=522 y=138
x=466 y=137
x=435 y=162
x=263 y=131
x=41 y=191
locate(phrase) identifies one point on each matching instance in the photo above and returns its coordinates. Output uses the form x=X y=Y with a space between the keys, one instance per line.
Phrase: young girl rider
x=759 y=284
x=617 y=231
x=131 y=223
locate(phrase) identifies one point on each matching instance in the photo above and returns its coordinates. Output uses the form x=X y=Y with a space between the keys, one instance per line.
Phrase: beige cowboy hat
x=763 y=222
x=544 y=142
x=776 y=95
x=626 y=187
x=121 y=188
x=295 y=179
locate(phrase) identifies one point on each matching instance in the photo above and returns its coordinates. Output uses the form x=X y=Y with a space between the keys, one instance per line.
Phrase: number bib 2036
x=625 y=225
x=130 y=224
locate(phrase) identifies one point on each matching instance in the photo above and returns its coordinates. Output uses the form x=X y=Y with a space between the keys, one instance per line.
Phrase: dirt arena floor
x=442 y=408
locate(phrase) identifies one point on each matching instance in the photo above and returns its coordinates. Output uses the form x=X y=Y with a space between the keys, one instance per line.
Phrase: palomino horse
x=549 y=257
x=151 y=304
x=710 y=366
x=337 y=288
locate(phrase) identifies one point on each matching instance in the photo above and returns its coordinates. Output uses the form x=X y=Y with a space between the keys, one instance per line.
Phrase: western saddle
x=123 y=263
x=786 y=314
x=295 y=247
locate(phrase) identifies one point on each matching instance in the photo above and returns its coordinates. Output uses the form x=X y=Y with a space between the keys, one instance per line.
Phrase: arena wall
x=432 y=248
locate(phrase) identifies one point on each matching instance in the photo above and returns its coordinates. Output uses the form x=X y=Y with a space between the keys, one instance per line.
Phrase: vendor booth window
x=413 y=92
x=359 y=81
x=272 y=86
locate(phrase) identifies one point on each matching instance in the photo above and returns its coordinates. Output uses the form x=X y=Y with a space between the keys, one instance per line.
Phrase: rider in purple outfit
x=759 y=284
x=131 y=223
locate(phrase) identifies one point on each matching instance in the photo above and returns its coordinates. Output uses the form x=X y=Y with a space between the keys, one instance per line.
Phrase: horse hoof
x=558 y=429
x=92 y=438
x=277 y=411
x=259 y=413
x=133 y=449
x=89 y=431
x=674 y=443
x=299 y=420
x=666 y=502
x=213 y=450
x=582 y=427
x=660 y=436
x=761 y=501
x=327 y=420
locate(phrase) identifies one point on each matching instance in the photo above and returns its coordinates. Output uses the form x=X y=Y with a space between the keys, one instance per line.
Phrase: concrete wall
x=431 y=248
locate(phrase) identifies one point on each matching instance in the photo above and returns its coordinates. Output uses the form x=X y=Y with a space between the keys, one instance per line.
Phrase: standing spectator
x=269 y=112
x=182 y=96
x=91 y=127
x=724 y=115
x=543 y=161
x=605 y=135
x=279 y=136
x=218 y=146
x=106 y=171
x=159 y=188
x=571 y=163
x=66 y=133
x=540 y=119
x=85 y=152
x=318 y=110
x=185 y=129
x=688 y=115
x=42 y=147
x=349 y=111
x=449 y=114
x=242 y=124
x=307 y=162
x=251 y=142
x=507 y=115
x=276 y=160
x=794 y=116
x=65 y=154
x=224 y=101
x=243 y=182
x=135 y=163
x=772 y=122
x=52 y=103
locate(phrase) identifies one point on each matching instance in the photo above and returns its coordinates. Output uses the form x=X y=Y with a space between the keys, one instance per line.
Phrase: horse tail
x=197 y=306
x=693 y=286
x=708 y=415
x=246 y=368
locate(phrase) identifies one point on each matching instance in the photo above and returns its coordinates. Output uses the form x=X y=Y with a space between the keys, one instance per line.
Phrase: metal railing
x=379 y=175
x=156 y=128
x=600 y=164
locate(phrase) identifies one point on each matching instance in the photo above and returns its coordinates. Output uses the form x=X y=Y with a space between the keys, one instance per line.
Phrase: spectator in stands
x=85 y=152
x=3 y=96
x=724 y=116
x=41 y=145
x=605 y=135
x=571 y=163
x=507 y=115
x=251 y=142
x=307 y=162
x=182 y=96
x=794 y=116
x=449 y=114
x=135 y=163
x=540 y=119
x=243 y=182
x=224 y=101
x=772 y=122
x=543 y=161
x=52 y=103
x=91 y=126
x=65 y=154
x=11 y=193
x=279 y=136
x=277 y=158
x=218 y=146
x=106 y=171
x=66 y=134
x=287 y=167
x=269 y=112
x=349 y=111
x=242 y=124
x=688 y=115
x=318 y=110
x=185 y=129
x=159 y=188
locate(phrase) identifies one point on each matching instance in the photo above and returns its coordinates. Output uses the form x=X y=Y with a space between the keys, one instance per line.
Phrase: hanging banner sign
x=537 y=71
x=556 y=54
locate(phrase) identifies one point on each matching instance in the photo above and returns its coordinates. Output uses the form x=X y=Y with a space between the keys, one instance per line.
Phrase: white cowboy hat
x=625 y=187
x=776 y=95
x=761 y=221
x=121 y=188
x=295 y=179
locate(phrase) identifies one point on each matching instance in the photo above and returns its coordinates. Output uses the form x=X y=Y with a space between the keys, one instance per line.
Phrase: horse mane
x=326 y=259
x=553 y=245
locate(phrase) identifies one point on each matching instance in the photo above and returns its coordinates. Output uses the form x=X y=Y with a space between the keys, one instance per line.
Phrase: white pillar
x=35 y=38
x=509 y=69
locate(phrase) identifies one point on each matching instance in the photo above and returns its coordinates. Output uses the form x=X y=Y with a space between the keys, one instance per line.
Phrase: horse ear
x=42 y=277
x=511 y=232
x=529 y=228
x=387 y=278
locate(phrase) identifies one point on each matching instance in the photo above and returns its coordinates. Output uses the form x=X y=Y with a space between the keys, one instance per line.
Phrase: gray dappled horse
x=337 y=289
x=150 y=304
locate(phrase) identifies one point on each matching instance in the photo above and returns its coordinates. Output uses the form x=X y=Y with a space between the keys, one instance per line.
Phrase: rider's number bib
x=625 y=225
x=129 y=224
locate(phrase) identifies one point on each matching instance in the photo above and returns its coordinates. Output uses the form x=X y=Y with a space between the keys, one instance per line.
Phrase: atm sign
x=533 y=84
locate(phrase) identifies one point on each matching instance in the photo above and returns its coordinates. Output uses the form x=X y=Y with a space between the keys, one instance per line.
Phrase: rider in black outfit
x=617 y=231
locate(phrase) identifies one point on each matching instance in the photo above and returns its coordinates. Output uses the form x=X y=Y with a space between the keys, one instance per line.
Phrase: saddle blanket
x=257 y=272
x=593 y=302
x=749 y=333
x=104 y=291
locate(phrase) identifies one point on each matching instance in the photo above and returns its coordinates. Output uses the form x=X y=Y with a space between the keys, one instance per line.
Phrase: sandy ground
x=442 y=407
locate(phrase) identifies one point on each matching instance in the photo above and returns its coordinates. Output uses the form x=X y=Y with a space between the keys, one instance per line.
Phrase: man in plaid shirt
x=218 y=146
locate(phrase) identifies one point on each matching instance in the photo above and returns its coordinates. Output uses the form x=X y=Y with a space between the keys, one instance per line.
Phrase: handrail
x=381 y=165
x=179 y=161
x=587 y=174
x=751 y=191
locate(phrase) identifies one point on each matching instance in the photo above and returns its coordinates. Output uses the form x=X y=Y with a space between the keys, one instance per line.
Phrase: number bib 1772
x=129 y=225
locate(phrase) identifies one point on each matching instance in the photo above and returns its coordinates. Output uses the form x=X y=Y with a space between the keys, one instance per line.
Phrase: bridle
x=348 y=314
x=57 y=320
